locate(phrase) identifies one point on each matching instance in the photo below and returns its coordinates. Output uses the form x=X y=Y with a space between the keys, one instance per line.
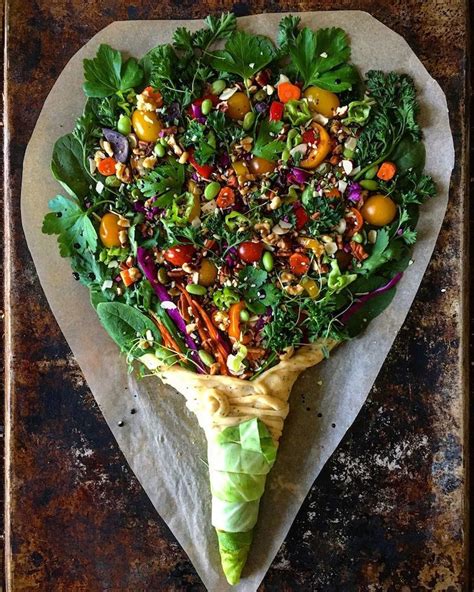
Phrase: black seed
x=59 y=214
x=308 y=408
x=120 y=423
x=75 y=275
x=133 y=411
x=320 y=414
x=92 y=276
x=76 y=245
x=333 y=425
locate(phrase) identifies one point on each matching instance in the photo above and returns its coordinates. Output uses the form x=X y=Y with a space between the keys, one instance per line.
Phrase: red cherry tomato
x=301 y=217
x=276 y=111
x=179 y=255
x=354 y=221
x=205 y=170
x=250 y=252
x=299 y=263
x=309 y=137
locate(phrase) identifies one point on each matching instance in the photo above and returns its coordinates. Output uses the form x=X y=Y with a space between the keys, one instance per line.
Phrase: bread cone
x=243 y=422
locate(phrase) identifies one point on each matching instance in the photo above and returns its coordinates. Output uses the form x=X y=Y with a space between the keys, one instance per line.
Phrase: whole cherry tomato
x=109 y=230
x=238 y=105
x=299 y=263
x=379 y=210
x=250 y=252
x=179 y=255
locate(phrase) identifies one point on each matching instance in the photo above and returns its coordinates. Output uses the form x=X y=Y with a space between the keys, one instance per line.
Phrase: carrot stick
x=212 y=329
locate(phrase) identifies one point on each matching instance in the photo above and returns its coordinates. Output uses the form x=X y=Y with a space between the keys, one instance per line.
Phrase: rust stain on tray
x=386 y=512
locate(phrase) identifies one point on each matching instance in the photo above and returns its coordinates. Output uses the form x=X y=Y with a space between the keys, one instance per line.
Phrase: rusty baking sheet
x=386 y=513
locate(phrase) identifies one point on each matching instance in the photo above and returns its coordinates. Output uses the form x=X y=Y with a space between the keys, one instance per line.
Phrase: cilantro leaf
x=165 y=181
x=217 y=27
x=266 y=146
x=244 y=54
x=72 y=224
x=106 y=74
x=321 y=58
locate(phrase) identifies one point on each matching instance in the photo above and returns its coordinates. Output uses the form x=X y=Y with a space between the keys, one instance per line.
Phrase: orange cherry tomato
x=226 y=198
x=260 y=166
x=250 y=252
x=299 y=263
x=379 y=210
x=318 y=154
x=107 y=166
x=146 y=125
x=207 y=273
x=355 y=221
x=179 y=255
x=238 y=105
x=109 y=230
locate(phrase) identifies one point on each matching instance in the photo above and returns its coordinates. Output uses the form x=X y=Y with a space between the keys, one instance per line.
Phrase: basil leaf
x=68 y=168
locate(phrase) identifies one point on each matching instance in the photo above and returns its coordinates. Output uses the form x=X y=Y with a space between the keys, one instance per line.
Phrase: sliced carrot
x=288 y=92
x=387 y=171
x=168 y=338
x=127 y=279
x=107 y=166
x=226 y=198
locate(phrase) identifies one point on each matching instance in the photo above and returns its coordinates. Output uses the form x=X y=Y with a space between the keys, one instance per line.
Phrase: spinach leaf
x=106 y=75
x=126 y=325
x=409 y=154
x=372 y=308
x=67 y=166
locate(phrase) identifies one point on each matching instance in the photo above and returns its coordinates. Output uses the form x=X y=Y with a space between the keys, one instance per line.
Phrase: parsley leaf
x=266 y=146
x=244 y=54
x=72 y=224
x=165 y=181
x=226 y=131
x=287 y=33
x=196 y=135
x=283 y=330
x=321 y=58
x=106 y=74
x=217 y=27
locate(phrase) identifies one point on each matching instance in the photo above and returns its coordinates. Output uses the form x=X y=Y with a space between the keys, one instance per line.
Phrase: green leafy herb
x=283 y=330
x=287 y=33
x=72 y=225
x=67 y=166
x=371 y=309
x=106 y=74
x=226 y=130
x=321 y=58
x=197 y=135
x=266 y=145
x=217 y=27
x=165 y=181
x=244 y=54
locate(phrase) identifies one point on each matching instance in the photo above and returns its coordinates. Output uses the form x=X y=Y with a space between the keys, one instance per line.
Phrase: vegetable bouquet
x=236 y=214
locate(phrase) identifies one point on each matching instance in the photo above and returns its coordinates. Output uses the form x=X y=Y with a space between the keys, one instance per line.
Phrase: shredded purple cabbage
x=147 y=265
x=361 y=300
x=297 y=176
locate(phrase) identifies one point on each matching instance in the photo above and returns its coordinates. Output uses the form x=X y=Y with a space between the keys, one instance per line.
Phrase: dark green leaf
x=67 y=166
x=409 y=154
x=266 y=145
x=372 y=308
x=165 y=181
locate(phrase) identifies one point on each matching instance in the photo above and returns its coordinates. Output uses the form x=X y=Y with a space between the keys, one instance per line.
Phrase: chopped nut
x=172 y=142
x=149 y=162
x=294 y=290
x=287 y=277
x=190 y=328
x=183 y=159
x=107 y=147
x=123 y=223
x=129 y=261
x=123 y=172
x=275 y=203
x=123 y=237
x=188 y=268
x=271 y=239
x=263 y=228
x=372 y=236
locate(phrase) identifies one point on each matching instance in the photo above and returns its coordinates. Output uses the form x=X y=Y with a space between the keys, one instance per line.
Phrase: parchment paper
x=162 y=441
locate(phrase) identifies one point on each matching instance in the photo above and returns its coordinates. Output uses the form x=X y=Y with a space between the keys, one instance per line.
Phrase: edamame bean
x=370 y=184
x=206 y=358
x=267 y=261
x=159 y=150
x=249 y=120
x=212 y=190
x=124 y=125
x=358 y=238
x=370 y=174
x=244 y=315
x=162 y=276
x=347 y=153
x=196 y=289
x=285 y=155
x=206 y=106
x=112 y=181
x=218 y=86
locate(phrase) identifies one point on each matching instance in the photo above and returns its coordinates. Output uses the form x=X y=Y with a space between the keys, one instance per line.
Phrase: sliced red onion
x=297 y=175
x=361 y=300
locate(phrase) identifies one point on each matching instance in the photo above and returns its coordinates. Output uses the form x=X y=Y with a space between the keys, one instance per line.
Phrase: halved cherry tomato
x=319 y=153
x=205 y=170
x=299 y=263
x=107 y=166
x=250 y=252
x=154 y=95
x=207 y=273
x=322 y=101
x=301 y=217
x=109 y=230
x=276 y=111
x=309 y=137
x=179 y=255
x=226 y=198
x=354 y=221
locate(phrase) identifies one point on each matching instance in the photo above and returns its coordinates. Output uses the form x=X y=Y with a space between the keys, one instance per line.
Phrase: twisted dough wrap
x=222 y=401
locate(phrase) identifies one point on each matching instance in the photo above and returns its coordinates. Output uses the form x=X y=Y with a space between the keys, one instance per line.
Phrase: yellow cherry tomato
x=312 y=244
x=322 y=101
x=240 y=167
x=238 y=106
x=311 y=287
x=260 y=166
x=207 y=273
x=379 y=210
x=318 y=154
x=146 y=125
x=195 y=207
x=109 y=230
